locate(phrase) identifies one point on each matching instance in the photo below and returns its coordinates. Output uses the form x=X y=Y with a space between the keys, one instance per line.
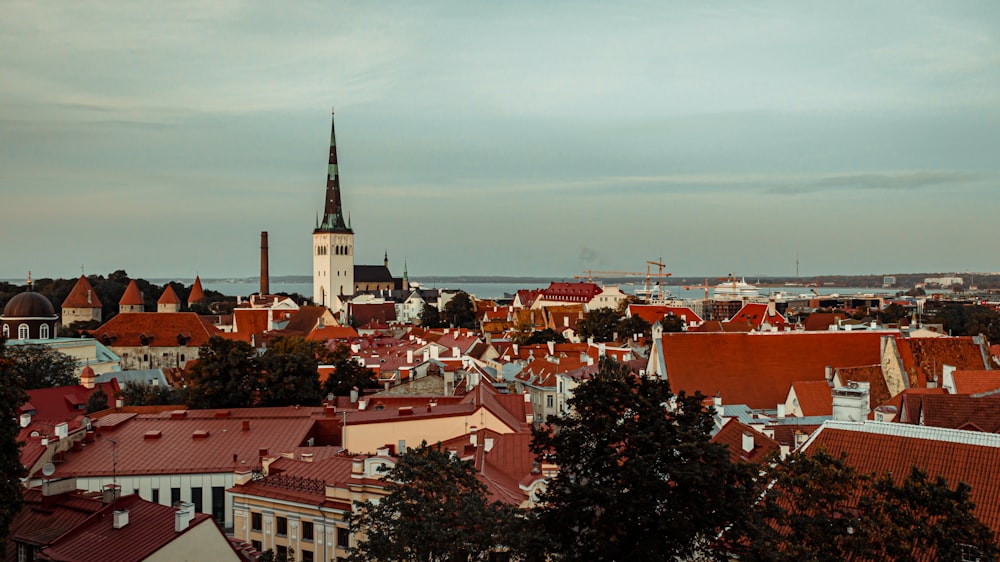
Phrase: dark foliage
x=226 y=375
x=12 y=395
x=347 y=374
x=40 y=366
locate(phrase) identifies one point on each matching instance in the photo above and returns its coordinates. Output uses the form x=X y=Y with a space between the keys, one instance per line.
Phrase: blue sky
x=515 y=138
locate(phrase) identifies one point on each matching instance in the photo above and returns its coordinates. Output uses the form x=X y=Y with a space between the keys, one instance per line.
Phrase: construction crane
x=648 y=289
x=705 y=308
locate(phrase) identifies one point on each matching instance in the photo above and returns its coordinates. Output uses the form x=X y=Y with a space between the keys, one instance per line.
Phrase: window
x=156 y=495
x=44 y=332
x=175 y=496
x=6 y=331
x=282 y=526
x=343 y=537
x=219 y=504
x=198 y=499
x=307 y=556
x=282 y=551
x=22 y=332
x=307 y=531
x=549 y=401
x=256 y=521
x=256 y=545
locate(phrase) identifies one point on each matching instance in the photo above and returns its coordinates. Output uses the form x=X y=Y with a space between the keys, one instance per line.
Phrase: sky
x=503 y=138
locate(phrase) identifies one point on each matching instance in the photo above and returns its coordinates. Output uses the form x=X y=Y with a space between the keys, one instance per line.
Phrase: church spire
x=333 y=211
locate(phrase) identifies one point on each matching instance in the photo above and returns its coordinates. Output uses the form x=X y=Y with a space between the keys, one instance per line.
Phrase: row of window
x=337 y=250
x=24 y=332
x=198 y=499
x=308 y=530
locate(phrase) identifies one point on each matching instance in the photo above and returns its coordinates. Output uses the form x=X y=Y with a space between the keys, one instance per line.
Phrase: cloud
x=880 y=181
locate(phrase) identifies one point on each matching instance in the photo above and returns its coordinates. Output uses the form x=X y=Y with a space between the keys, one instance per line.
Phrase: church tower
x=333 y=240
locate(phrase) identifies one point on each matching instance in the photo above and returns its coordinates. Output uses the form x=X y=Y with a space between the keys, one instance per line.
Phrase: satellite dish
x=48 y=469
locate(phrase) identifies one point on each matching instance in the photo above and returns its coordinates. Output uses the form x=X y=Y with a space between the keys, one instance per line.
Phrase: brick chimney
x=265 y=286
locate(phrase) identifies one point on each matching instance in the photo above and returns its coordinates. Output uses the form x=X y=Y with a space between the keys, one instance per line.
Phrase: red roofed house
x=191 y=455
x=151 y=341
x=48 y=513
x=132 y=529
x=82 y=304
x=653 y=313
x=970 y=382
x=809 y=398
x=745 y=443
x=566 y=293
x=760 y=316
x=893 y=448
x=921 y=362
x=755 y=369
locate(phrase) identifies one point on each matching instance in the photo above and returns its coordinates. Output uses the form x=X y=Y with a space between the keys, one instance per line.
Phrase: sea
x=243 y=288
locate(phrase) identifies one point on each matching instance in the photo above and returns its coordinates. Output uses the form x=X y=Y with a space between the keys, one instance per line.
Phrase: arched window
x=43 y=333
x=22 y=332
x=6 y=331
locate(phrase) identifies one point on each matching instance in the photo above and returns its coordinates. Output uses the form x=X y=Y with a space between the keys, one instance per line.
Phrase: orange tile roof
x=956 y=411
x=331 y=333
x=169 y=296
x=755 y=314
x=924 y=358
x=132 y=296
x=197 y=293
x=757 y=369
x=871 y=374
x=161 y=328
x=820 y=321
x=653 y=313
x=958 y=456
x=82 y=296
x=976 y=382
x=815 y=397
x=731 y=435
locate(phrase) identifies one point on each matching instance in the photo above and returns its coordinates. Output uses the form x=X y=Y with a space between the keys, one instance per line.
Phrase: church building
x=334 y=271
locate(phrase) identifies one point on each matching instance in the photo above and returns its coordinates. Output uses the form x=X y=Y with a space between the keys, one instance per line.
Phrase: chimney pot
x=246 y=425
x=264 y=273
x=120 y=518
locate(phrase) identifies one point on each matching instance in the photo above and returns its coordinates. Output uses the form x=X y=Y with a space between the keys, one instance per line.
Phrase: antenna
x=114 y=473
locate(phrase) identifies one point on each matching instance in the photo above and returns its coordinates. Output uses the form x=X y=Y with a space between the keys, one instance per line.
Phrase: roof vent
x=199 y=434
x=177 y=414
x=120 y=518
x=222 y=414
x=154 y=434
x=406 y=411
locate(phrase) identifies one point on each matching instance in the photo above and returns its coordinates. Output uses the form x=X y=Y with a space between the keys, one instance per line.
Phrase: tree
x=430 y=317
x=225 y=375
x=40 y=366
x=459 y=311
x=600 y=324
x=97 y=401
x=145 y=394
x=638 y=478
x=436 y=509
x=12 y=396
x=820 y=508
x=632 y=325
x=545 y=336
x=290 y=373
x=892 y=314
x=671 y=323
x=347 y=374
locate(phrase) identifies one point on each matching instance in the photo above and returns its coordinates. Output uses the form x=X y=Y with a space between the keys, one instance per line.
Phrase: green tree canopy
x=226 y=375
x=600 y=324
x=820 y=508
x=544 y=336
x=40 y=366
x=97 y=401
x=430 y=317
x=145 y=394
x=290 y=374
x=12 y=395
x=436 y=510
x=638 y=478
x=347 y=373
x=672 y=323
x=459 y=311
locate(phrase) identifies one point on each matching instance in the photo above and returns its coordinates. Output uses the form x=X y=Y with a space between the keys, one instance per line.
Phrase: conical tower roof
x=169 y=296
x=333 y=210
x=82 y=295
x=197 y=293
x=132 y=296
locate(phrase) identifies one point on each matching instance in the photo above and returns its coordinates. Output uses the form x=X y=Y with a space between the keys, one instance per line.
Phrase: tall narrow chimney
x=265 y=288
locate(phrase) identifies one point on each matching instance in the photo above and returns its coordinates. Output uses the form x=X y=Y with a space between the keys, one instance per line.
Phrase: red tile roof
x=924 y=358
x=820 y=321
x=731 y=435
x=197 y=294
x=757 y=369
x=132 y=296
x=570 y=292
x=332 y=333
x=756 y=314
x=169 y=296
x=815 y=397
x=958 y=456
x=150 y=527
x=653 y=313
x=956 y=411
x=367 y=313
x=976 y=382
x=64 y=403
x=82 y=296
x=871 y=374
x=330 y=471
x=162 y=329
x=43 y=519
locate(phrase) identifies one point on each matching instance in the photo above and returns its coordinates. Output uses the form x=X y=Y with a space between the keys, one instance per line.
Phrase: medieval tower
x=333 y=240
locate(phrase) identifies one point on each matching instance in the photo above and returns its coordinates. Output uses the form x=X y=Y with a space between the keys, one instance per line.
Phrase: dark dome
x=29 y=305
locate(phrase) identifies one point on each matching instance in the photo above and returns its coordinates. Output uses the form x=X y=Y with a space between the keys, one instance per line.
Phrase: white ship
x=734 y=289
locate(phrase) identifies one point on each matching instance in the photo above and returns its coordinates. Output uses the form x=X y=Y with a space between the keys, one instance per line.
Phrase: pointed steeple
x=197 y=293
x=333 y=211
x=385 y=262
